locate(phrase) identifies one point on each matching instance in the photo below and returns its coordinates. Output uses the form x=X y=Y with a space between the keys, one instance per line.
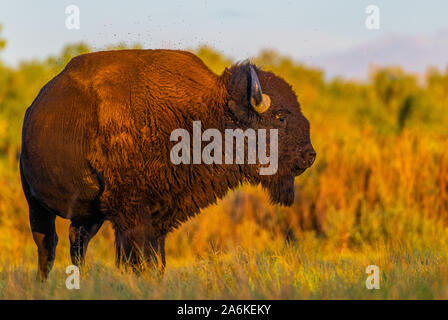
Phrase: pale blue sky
x=301 y=29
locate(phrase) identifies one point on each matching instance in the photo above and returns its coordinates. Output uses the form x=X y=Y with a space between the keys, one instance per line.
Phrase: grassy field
x=310 y=269
x=377 y=195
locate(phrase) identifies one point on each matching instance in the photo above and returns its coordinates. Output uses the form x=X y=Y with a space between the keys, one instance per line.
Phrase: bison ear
x=245 y=91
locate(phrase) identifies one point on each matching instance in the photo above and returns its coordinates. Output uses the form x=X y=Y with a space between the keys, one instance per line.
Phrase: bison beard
x=96 y=147
x=281 y=190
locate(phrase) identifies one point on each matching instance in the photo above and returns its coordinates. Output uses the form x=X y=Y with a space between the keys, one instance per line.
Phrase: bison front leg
x=140 y=247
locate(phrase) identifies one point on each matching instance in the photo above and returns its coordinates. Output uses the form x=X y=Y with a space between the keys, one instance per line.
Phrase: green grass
x=309 y=270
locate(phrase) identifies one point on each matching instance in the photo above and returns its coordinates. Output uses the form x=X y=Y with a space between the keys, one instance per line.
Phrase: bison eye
x=281 y=117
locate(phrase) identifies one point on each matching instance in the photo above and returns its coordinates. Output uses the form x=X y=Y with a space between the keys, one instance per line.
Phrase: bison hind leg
x=80 y=233
x=42 y=223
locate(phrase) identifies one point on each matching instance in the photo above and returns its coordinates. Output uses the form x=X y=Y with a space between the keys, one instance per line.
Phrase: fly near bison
x=96 y=147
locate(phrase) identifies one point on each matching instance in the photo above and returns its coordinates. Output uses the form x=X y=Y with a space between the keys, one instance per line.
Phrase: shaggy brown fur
x=96 y=145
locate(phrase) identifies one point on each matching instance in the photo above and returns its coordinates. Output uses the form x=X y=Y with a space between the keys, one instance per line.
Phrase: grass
x=309 y=269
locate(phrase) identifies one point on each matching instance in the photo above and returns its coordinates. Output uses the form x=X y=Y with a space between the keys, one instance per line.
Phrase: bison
x=96 y=147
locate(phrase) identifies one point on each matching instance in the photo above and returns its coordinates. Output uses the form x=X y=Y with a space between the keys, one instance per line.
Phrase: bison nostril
x=308 y=155
x=311 y=157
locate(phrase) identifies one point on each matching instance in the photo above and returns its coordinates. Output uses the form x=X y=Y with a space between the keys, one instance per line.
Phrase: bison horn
x=259 y=101
x=263 y=105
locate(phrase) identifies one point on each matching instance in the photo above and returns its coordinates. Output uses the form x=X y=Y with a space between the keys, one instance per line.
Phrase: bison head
x=262 y=100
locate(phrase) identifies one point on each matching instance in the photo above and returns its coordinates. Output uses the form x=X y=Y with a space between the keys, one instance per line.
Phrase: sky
x=325 y=33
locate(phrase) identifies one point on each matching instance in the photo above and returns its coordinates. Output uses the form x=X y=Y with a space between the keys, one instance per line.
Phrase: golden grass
x=377 y=194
